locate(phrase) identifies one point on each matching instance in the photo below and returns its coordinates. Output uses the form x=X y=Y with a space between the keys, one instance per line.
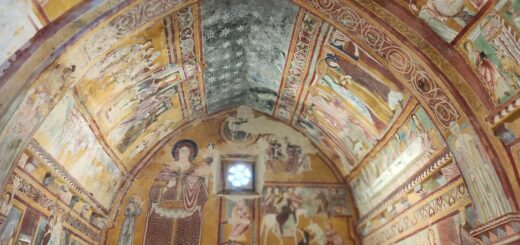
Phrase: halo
x=188 y=143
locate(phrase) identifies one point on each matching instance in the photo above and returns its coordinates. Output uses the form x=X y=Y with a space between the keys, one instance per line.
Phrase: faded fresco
x=414 y=144
x=67 y=137
x=347 y=101
x=35 y=216
x=492 y=48
x=18 y=24
x=390 y=210
x=302 y=214
x=244 y=49
x=152 y=103
x=286 y=150
x=186 y=164
x=479 y=173
x=452 y=230
x=447 y=18
x=238 y=223
x=133 y=93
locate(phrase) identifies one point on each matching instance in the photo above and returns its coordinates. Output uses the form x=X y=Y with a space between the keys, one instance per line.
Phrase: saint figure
x=177 y=198
x=132 y=210
x=240 y=219
x=483 y=184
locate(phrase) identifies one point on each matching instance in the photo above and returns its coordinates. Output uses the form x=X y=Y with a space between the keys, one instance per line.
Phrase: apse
x=309 y=122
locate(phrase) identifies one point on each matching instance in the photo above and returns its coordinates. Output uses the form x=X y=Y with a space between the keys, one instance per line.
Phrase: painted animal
x=269 y=222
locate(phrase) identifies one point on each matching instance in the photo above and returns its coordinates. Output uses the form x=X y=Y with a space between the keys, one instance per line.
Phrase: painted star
x=241 y=28
x=210 y=34
x=239 y=53
x=211 y=79
x=212 y=69
x=242 y=14
x=238 y=65
x=227 y=56
x=209 y=48
x=226 y=67
x=255 y=29
x=226 y=16
x=225 y=32
x=272 y=21
x=240 y=41
x=256 y=14
x=224 y=76
x=226 y=44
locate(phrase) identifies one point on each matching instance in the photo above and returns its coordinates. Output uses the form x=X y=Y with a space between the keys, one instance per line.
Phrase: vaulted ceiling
x=105 y=82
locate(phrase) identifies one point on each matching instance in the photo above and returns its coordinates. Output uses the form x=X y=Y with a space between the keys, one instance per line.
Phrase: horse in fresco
x=271 y=221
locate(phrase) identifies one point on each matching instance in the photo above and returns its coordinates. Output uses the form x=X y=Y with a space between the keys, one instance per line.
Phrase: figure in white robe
x=484 y=185
x=132 y=211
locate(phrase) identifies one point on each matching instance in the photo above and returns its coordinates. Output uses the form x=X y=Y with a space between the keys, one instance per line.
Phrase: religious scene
x=447 y=18
x=228 y=122
x=492 y=48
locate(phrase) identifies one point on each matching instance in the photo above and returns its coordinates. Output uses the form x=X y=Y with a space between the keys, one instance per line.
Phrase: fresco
x=244 y=48
x=417 y=192
x=229 y=219
x=148 y=76
x=446 y=18
x=479 y=173
x=285 y=208
x=36 y=217
x=415 y=143
x=350 y=103
x=238 y=221
x=8 y=232
x=18 y=24
x=55 y=8
x=452 y=230
x=67 y=137
x=177 y=198
x=133 y=93
x=286 y=150
x=492 y=49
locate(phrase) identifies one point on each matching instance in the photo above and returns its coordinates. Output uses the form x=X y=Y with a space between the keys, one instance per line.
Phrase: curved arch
x=432 y=71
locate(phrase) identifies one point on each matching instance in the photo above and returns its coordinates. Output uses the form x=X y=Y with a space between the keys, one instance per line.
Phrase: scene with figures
x=260 y=122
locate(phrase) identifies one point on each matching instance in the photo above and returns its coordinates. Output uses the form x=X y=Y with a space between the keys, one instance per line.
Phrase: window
x=238 y=177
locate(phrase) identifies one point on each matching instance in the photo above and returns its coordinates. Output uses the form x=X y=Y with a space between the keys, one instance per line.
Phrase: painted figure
x=132 y=210
x=486 y=69
x=57 y=234
x=285 y=210
x=483 y=184
x=7 y=200
x=240 y=219
x=177 y=198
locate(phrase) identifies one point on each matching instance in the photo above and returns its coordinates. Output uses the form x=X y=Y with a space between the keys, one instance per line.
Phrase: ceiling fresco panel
x=133 y=93
x=67 y=137
x=447 y=18
x=245 y=48
x=492 y=48
x=307 y=37
x=19 y=23
x=351 y=100
x=414 y=144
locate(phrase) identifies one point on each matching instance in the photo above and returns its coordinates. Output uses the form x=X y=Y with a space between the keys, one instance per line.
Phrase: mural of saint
x=132 y=210
x=241 y=220
x=493 y=50
x=487 y=195
x=177 y=198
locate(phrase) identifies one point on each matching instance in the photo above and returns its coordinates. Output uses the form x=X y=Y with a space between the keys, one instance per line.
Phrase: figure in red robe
x=177 y=198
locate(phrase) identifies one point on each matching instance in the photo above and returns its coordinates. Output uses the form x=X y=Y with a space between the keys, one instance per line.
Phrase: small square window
x=238 y=177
